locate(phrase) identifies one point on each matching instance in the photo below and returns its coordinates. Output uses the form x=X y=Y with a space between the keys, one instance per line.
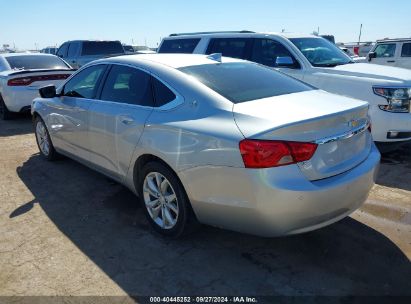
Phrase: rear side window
x=128 y=85
x=85 y=83
x=385 y=50
x=62 y=51
x=73 y=49
x=29 y=62
x=266 y=52
x=242 y=81
x=162 y=93
x=102 y=48
x=230 y=47
x=182 y=46
x=406 y=50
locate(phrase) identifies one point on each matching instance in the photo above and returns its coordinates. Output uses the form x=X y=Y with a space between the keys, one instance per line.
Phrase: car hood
x=371 y=71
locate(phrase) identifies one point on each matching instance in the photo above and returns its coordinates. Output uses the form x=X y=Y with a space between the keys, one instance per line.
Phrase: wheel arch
x=146 y=158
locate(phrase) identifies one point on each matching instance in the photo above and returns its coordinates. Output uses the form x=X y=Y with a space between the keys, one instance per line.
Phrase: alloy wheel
x=160 y=200
x=42 y=138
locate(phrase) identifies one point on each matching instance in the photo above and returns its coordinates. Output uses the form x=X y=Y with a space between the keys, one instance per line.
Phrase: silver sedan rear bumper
x=276 y=201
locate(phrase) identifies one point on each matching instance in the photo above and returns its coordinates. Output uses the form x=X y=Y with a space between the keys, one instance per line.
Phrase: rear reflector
x=24 y=81
x=273 y=153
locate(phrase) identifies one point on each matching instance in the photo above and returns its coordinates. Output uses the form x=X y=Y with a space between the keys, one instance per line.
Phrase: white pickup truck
x=320 y=63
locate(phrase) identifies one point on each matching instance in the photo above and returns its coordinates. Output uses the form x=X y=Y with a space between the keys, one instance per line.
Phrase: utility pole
x=359 y=37
x=318 y=30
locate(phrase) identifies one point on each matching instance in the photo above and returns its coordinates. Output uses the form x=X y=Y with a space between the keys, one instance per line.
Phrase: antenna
x=216 y=57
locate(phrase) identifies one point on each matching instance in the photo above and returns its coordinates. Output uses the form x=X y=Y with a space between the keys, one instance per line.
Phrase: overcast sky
x=31 y=23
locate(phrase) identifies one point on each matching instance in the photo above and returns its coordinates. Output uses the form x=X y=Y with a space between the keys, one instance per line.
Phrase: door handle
x=391 y=61
x=126 y=120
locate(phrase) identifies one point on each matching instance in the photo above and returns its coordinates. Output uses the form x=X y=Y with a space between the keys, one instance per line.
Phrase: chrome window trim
x=179 y=100
x=345 y=135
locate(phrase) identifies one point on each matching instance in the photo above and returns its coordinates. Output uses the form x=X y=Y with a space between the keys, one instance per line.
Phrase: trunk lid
x=338 y=124
x=35 y=79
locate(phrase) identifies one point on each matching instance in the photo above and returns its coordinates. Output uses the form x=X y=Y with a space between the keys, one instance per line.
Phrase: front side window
x=321 y=52
x=62 y=51
x=242 y=81
x=73 y=49
x=229 y=47
x=34 y=62
x=266 y=52
x=181 y=46
x=85 y=83
x=128 y=85
x=406 y=50
x=385 y=50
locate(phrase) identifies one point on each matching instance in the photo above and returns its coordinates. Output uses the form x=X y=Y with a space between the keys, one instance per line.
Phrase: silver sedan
x=213 y=140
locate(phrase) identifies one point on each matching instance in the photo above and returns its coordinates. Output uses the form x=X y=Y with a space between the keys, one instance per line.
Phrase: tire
x=5 y=114
x=168 y=216
x=43 y=140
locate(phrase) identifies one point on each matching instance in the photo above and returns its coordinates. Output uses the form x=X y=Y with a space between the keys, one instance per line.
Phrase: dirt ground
x=66 y=230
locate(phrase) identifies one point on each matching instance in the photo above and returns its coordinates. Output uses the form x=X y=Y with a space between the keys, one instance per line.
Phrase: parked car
x=322 y=64
x=360 y=49
x=226 y=142
x=79 y=52
x=354 y=57
x=393 y=52
x=128 y=49
x=142 y=49
x=49 y=50
x=21 y=76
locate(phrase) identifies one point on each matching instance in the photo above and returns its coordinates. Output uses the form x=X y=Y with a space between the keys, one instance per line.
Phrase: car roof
x=393 y=40
x=91 y=40
x=23 y=54
x=238 y=34
x=171 y=60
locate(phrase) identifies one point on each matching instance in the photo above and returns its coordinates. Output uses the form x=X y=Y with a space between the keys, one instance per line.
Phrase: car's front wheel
x=43 y=140
x=164 y=200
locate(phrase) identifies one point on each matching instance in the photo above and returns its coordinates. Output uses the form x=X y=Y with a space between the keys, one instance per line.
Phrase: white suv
x=320 y=63
x=393 y=52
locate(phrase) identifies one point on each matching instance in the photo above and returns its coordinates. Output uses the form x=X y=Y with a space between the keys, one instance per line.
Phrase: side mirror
x=48 y=92
x=372 y=55
x=284 y=62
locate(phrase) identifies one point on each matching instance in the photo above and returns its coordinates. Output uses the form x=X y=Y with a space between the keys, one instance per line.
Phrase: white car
x=320 y=63
x=392 y=52
x=353 y=56
x=21 y=76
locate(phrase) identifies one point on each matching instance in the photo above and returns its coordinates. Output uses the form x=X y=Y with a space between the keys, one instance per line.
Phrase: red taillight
x=269 y=153
x=24 y=81
x=356 y=50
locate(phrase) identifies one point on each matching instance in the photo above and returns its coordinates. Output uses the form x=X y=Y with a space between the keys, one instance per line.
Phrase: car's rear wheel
x=164 y=200
x=5 y=114
x=43 y=140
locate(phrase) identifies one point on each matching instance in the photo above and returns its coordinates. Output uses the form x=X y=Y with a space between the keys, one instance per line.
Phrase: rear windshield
x=102 y=48
x=241 y=82
x=184 y=46
x=34 y=62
